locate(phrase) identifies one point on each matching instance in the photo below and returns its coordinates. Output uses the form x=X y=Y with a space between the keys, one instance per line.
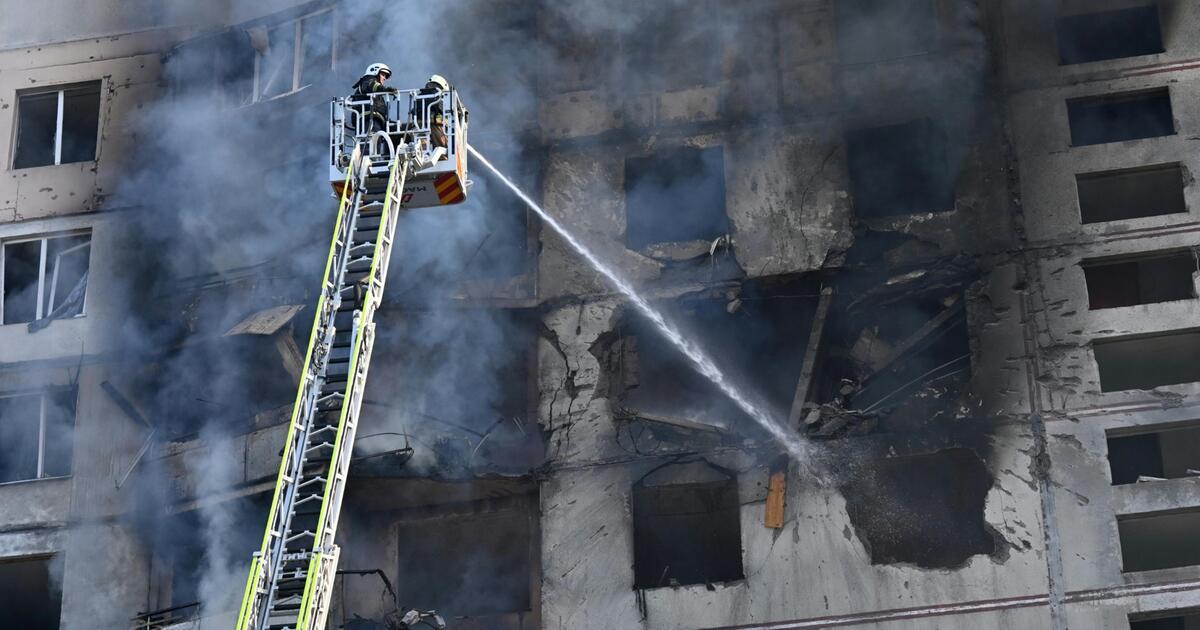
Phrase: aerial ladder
x=387 y=152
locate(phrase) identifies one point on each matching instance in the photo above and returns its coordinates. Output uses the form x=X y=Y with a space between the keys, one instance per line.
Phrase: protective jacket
x=369 y=86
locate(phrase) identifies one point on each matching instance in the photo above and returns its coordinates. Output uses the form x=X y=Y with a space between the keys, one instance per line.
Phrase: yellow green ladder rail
x=292 y=574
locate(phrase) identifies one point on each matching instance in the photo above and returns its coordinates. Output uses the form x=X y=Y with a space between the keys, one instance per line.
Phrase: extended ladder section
x=291 y=577
x=416 y=138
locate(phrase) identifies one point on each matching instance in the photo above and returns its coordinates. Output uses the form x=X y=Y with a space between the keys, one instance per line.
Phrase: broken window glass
x=277 y=64
x=30 y=593
x=57 y=127
x=1148 y=279
x=316 y=36
x=1120 y=117
x=44 y=278
x=876 y=30
x=1131 y=32
x=1159 y=540
x=1172 y=453
x=293 y=54
x=36 y=435
x=675 y=195
x=1146 y=362
x=686 y=534
x=900 y=169
x=1131 y=193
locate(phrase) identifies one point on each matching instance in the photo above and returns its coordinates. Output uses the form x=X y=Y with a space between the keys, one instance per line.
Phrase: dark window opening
x=686 y=534
x=1157 y=621
x=37 y=129
x=316 y=47
x=219 y=65
x=1129 y=32
x=1148 y=362
x=896 y=353
x=294 y=54
x=1160 y=540
x=899 y=169
x=1120 y=117
x=1148 y=280
x=467 y=565
x=278 y=62
x=1131 y=193
x=927 y=510
x=906 y=364
x=1166 y=454
x=44 y=278
x=58 y=127
x=675 y=195
x=876 y=30
x=761 y=337
x=36 y=435
x=204 y=552
x=30 y=595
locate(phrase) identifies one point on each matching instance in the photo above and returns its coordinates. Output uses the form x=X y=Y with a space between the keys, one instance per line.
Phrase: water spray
x=795 y=446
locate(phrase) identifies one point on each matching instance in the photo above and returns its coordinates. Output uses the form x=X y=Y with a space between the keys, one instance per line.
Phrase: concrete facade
x=961 y=472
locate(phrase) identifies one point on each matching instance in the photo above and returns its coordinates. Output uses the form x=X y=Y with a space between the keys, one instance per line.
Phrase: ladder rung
x=308 y=499
x=329 y=399
x=318 y=446
x=375 y=208
x=311 y=480
x=303 y=534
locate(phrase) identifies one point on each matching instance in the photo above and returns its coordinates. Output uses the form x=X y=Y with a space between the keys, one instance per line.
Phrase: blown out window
x=29 y=593
x=57 y=126
x=293 y=54
x=1131 y=32
x=1120 y=117
x=676 y=194
x=36 y=435
x=686 y=534
x=43 y=278
x=1175 y=620
x=900 y=169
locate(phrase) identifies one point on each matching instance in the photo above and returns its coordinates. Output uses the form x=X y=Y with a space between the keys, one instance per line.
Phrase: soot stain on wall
x=926 y=510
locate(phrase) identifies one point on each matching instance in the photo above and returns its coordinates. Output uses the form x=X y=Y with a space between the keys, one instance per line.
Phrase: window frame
x=297 y=54
x=43 y=239
x=42 y=394
x=642 y=523
x=61 y=90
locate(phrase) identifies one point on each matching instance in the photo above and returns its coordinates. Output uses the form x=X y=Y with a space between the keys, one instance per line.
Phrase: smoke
x=233 y=215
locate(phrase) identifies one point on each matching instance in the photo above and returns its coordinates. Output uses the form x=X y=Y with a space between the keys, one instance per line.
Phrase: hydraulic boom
x=378 y=172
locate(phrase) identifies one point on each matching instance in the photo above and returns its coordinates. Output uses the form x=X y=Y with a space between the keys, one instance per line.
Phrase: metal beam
x=808 y=368
x=924 y=331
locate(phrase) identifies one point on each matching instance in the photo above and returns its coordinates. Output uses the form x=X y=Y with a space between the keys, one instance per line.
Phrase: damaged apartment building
x=950 y=243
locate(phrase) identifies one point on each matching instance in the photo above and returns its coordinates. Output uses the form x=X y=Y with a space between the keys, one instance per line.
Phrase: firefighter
x=371 y=87
x=429 y=104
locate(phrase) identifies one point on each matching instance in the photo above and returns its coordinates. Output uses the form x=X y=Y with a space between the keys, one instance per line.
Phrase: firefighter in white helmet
x=371 y=86
x=429 y=108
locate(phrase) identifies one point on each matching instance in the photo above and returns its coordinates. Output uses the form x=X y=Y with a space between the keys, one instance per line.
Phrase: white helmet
x=376 y=68
x=440 y=81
